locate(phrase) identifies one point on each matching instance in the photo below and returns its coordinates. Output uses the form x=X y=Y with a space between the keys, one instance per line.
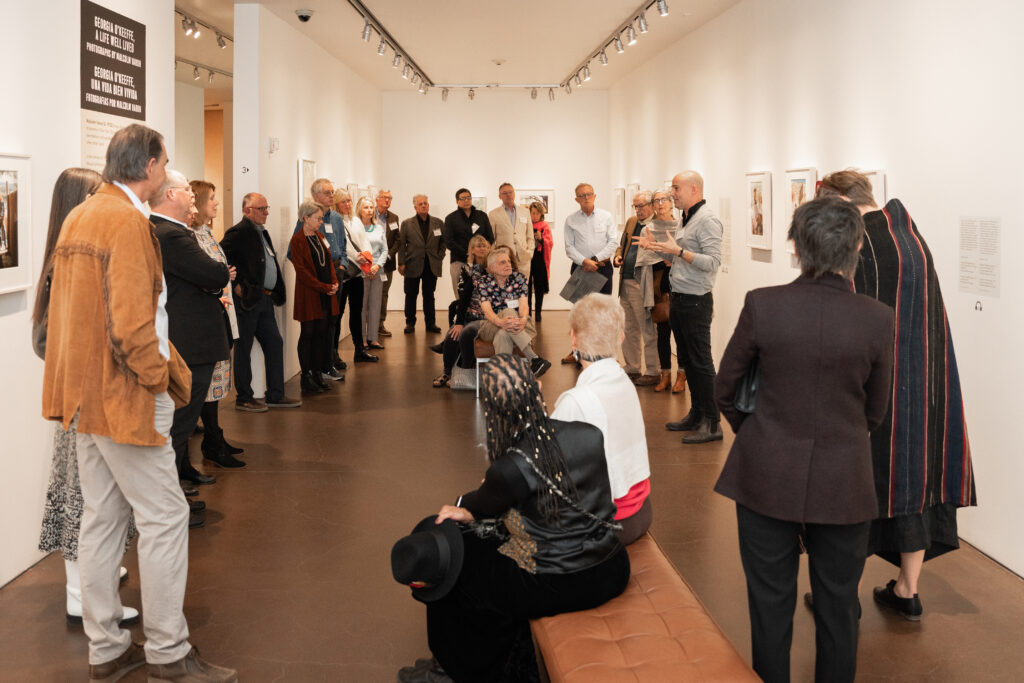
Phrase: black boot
x=309 y=385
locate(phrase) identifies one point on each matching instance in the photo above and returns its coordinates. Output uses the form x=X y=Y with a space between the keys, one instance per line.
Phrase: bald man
x=695 y=255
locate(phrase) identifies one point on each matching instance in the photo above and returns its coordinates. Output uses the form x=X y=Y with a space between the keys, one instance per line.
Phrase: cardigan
x=308 y=287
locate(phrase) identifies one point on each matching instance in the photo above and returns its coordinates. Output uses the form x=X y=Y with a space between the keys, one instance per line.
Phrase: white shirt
x=594 y=236
x=161 y=302
x=604 y=397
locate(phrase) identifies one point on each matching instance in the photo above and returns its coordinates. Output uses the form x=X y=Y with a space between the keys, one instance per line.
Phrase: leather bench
x=657 y=630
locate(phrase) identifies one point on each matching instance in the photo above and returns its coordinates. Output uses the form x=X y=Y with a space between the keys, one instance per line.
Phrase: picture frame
x=373 y=190
x=631 y=191
x=15 y=223
x=480 y=203
x=800 y=187
x=878 y=186
x=759 y=210
x=307 y=174
x=525 y=197
x=353 y=193
x=620 y=206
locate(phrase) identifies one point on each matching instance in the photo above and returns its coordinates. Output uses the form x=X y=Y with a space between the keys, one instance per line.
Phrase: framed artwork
x=15 y=224
x=759 y=210
x=373 y=190
x=801 y=183
x=546 y=197
x=631 y=191
x=620 y=206
x=480 y=203
x=307 y=174
x=878 y=188
x=353 y=193
x=361 y=194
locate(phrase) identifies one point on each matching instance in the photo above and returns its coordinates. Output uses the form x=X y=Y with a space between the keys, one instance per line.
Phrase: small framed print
x=353 y=193
x=15 y=224
x=620 y=206
x=545 y=197
x=480 y=203
x=631 y=191
x=307 y=174
x=759 y=210
x=878 y=187
x=800 y=184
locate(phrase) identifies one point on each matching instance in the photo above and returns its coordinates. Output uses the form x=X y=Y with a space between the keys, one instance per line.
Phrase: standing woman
x=62 y=514
x=376 y=242
x=922 y=457
x=216 y=449
x=800 y=466
x=356 y=256
x=663 y=211
x=315 y=304
x=540 y=265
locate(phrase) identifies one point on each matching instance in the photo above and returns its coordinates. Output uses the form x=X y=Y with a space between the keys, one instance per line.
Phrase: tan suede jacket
x=102 y=353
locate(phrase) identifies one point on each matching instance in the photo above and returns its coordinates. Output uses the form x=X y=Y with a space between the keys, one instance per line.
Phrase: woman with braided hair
x=539 y=535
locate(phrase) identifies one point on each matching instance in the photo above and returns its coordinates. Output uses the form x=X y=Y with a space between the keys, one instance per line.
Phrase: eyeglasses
x=640 y=206
x=463 y=198
x=260 y=208
x=661 y=200
x=179 y=187
x=585 y=195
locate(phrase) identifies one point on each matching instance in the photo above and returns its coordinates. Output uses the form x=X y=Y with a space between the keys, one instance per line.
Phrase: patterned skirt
x=220 y=383
x=62 y=515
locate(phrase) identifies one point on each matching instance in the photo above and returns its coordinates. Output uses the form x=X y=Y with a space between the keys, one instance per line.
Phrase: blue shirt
x=594 y=236
x=269 y=266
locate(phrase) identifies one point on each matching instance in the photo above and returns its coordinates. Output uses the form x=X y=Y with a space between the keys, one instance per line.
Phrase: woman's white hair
x=598 y=322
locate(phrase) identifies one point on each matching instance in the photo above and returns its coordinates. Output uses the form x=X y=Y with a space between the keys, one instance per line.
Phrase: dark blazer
x=197 y=322
x=804 y=454
x=412 y=251
x=392 y=239
x=244 y=249
x=308 y=287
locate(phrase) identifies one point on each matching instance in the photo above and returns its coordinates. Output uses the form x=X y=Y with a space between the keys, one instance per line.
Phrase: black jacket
x=198 y=324
x=245 y=251
x=458 y=230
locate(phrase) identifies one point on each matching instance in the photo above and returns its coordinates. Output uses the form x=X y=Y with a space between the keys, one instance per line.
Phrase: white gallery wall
x=188 y=155
x=436 y=147
x=932 y=95
x=316 y=108
x=44 y=46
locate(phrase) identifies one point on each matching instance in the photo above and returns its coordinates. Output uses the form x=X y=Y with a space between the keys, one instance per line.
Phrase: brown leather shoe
x=680 y=385
x=383 y=331
x=192 y=669
x=666 y=381
x=705 y=433
x=646 y=380
x=569 y=359
x=116 y=669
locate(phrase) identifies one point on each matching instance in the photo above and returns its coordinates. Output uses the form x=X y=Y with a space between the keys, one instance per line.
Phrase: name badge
x=475 y=228
x=437 y=232
x=512 y=303
x=383 y=276
x=328 y=228
x=393 y=226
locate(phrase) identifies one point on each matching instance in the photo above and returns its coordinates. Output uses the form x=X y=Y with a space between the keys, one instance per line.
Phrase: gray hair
x=577 y=190
x=129 y=152
x=598 y=322
x=648 y=196
x=249 y=198
x=417 y=196
x=308 y=208
x=827 y=233
x=173 y=179
x=318 y=185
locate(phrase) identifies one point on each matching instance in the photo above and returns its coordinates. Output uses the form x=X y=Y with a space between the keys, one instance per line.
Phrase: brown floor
x=290 y=580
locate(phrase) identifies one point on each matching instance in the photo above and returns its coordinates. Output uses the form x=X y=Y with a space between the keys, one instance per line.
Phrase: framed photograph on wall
x=631 y=191
x=362 y=193
x=759 y=210
x=546 y=197
x=480 y=203
x=620 y=206
x=373 y=190
x=307 y=174
x=15 y=224
x=800 y=184
x=878 y=187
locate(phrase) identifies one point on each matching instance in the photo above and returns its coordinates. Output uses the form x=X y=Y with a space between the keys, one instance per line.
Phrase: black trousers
x=770 y=551
x=428 y=282
x=314 y=345
x=690 y=316
x=261 y=325
x=664 y=345
x=461 y=349
x=186 y=417
x=480 y=630
x=537 y=285
x=352 y=292
x=335 y=323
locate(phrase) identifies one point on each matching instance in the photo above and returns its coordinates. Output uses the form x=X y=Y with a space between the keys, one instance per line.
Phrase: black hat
x=431 y=554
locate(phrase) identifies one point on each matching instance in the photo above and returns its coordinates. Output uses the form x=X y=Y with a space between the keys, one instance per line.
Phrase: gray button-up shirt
x=702 y=235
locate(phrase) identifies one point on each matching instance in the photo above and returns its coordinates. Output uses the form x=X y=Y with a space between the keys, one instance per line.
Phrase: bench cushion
x=657 y=630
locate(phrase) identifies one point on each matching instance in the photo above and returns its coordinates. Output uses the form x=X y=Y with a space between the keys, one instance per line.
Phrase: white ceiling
x=457 y=41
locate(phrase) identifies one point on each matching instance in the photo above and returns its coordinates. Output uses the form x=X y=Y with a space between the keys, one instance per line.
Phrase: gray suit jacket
x=411 y=250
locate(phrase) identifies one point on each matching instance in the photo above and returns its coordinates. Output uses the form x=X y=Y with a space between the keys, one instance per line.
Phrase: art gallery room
x=290 y=576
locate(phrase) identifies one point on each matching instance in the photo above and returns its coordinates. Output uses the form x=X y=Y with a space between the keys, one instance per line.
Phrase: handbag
x=463 y=379
x=746 y=391
x=659 y=314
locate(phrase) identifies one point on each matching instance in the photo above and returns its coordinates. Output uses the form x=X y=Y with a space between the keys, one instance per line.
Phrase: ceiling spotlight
x=366 y=31
x=472 y=94
x=586 y=72
x=444 y=94
x=185 y=27
x=396 y=61
x=221 y=43
x=210 y=79
x=551 y=94
x=195 y=29
x=604 y=58
x=663 y=8
x=568 y=88
x=415 y=77
x=631 y=35
x=423 y=88
x=195 y=73
x=579 y=81
x=618 y=45
x=643 y=22
x=382 y=48
x=405 y=72
x=533 y=94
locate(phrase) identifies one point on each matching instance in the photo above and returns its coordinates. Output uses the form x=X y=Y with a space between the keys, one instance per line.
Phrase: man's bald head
x=174 y=198
x=687 y=189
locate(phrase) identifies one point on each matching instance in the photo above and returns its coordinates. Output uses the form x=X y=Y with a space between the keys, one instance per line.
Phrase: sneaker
x=116 y=669
x=539 y=366
x=284 y=402
x=333 y=375
x=192 y=667
x=250 y=405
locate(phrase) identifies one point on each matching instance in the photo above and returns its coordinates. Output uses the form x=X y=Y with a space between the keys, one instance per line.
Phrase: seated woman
x=540 y=539
x=457 y=344
x=606 y=398
x=507 y=323
x=316 y=284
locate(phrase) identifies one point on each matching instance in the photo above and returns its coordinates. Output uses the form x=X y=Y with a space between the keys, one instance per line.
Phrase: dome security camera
x=304 y=15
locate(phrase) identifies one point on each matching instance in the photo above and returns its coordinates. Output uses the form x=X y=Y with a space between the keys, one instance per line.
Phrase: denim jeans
x=690 y=316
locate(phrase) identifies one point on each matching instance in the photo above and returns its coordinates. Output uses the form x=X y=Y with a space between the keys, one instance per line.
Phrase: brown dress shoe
x=192 y=669
x=116 y=669
x=569 y=359
x=646 y=380
x=383 y=332
x=666 y=381
x=680 y=385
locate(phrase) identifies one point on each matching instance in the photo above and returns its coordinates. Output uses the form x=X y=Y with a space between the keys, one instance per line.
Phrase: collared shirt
x=700 y=233
x=593 y=236
x=604 y=397
x=499 y=296
x=161 y=322
x=269 y=266
x=511 y=213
